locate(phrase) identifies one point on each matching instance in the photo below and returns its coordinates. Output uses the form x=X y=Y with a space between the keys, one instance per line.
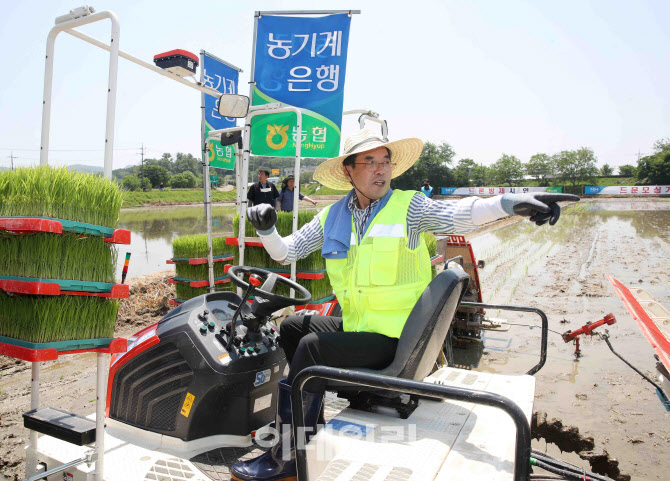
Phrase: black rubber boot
x=278 y=464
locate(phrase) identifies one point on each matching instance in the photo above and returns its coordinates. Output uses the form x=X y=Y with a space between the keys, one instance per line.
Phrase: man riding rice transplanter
x=374 y=232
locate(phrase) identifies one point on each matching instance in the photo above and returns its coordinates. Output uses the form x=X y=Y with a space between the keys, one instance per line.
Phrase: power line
x=64 y=150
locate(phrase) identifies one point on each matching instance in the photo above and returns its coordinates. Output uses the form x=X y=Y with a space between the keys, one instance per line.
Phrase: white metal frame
x=68 y=27
x=67 y=23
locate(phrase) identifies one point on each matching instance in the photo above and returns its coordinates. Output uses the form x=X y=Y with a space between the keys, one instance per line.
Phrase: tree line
x=185 y=171
x=571 y=168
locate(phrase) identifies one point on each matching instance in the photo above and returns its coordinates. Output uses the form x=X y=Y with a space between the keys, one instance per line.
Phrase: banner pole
x=246 y=151
x=207 y=190
x=296 y=187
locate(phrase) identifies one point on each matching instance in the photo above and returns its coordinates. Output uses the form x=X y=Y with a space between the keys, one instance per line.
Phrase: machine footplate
x=61 y=424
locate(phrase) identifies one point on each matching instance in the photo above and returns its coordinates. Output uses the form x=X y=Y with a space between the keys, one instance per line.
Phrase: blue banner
x=224 y=78
x=496 y=190
x=300 y=61
x=592 y=189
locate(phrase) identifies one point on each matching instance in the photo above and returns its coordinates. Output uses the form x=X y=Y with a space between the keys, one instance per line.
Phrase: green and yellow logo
x=279 y=130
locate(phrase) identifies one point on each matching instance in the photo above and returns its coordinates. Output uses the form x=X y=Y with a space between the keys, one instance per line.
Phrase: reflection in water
x=152 y=232
x=167 y=224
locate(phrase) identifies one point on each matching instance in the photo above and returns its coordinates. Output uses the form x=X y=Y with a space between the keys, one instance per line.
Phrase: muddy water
x=152 y=231
x=563 y=270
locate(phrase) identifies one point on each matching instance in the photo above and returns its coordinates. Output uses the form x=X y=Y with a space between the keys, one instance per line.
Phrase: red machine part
x=459 y=241
x=586 y=329
x=140 y=342
x=179 y=62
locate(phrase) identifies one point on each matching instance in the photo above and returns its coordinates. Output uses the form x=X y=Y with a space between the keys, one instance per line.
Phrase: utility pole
x=12 y=159
x=142 y=149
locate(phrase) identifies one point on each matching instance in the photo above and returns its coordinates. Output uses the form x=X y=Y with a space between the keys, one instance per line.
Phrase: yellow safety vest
x=381 y=279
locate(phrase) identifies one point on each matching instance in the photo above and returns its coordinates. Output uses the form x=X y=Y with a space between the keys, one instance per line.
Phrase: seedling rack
x=62 y=287
x=194 y=261
x=198 y=283
x=29 y=225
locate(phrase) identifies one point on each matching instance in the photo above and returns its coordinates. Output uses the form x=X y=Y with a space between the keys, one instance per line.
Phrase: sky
x=487 y=77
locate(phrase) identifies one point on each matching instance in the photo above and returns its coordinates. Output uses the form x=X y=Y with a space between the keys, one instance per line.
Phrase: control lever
x=254 y=281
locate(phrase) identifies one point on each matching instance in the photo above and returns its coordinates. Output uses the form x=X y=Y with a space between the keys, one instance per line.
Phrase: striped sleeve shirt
x=424 y=215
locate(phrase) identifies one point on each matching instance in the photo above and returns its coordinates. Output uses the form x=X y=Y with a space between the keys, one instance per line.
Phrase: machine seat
x=422 y=337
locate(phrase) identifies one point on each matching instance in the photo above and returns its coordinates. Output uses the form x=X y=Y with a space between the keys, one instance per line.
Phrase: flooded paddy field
x=563 y=271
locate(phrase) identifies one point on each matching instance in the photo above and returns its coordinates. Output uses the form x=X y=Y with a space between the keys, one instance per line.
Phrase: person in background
x=263 y=191
x=285 y=200
x=427 y=190
x=161 y=186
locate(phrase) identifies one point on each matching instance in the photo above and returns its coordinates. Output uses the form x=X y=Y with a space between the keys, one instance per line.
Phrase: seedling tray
x=194 y=261
x=198 y=283
x=435 y=260
x=320 y=274
x=49 y=351
x=248 y=241
x=29 y=225
x=58 y=287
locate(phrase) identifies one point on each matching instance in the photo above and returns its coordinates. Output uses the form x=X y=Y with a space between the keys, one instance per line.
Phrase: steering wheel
x=235 y=274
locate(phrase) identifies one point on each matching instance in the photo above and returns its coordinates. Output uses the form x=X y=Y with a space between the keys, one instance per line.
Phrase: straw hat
x=404 y=153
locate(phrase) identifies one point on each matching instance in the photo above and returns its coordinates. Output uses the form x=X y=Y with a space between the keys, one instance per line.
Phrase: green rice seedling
x=199 y=272
x=55 y=256
x=57 y=192
x=193 y=246
x=431 y=244
x=56 y=318
x=258 y=257
x=284 y=223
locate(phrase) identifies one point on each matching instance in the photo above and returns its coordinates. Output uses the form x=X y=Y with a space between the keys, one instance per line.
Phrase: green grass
x=56 y=318
x=54 y=256
x=173 y=196
x=60 y=193
x=311 y=189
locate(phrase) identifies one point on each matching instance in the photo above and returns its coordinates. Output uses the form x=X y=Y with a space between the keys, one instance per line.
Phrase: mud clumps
x=568 y=439
x=148 y=300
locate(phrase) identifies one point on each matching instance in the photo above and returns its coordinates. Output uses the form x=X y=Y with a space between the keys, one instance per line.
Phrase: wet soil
x=561 y=270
